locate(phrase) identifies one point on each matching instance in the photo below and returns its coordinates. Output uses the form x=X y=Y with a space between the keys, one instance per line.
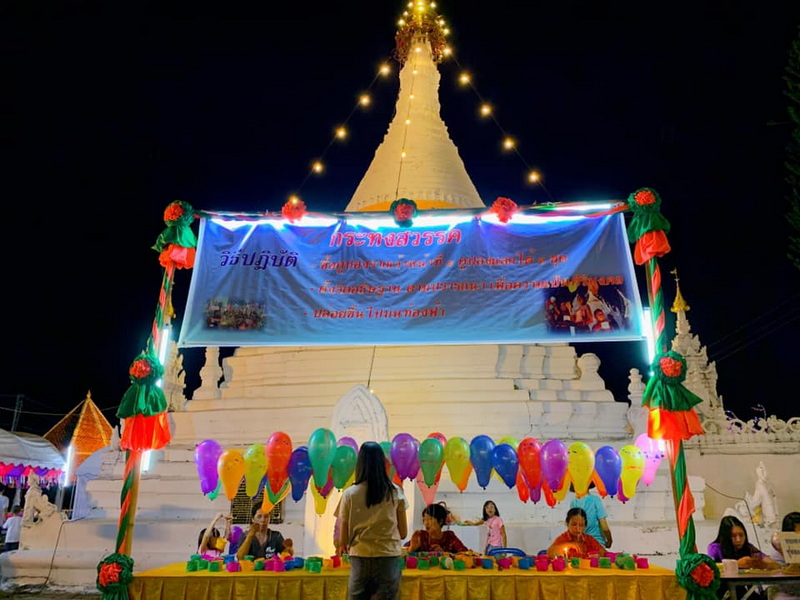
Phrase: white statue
x=762 y=502
x=37 y=506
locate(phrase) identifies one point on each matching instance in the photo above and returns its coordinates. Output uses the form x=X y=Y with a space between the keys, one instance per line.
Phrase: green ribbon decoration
x=120 y=568
x=667 y=391
x=143 y=397
x=645 y=205
x=696 y=591
x=178 y=231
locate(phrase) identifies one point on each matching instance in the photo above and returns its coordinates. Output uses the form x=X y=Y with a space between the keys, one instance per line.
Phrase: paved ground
x=36 y=593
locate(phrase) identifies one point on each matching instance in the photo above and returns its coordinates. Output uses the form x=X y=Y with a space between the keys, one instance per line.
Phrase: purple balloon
x=235 y=536
x=608 y=465
x=553 y=458
x=206 y=455
x=299 y=472
x=405 y=455
x=348 y=441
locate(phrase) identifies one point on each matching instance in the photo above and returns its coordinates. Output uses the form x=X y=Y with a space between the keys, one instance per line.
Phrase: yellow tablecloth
x=173 y=582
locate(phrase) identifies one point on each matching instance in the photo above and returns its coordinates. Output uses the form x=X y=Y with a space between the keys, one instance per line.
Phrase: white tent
x=29 y=450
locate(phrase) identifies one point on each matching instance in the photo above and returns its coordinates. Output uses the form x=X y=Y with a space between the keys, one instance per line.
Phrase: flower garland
x=177 y=243
x=404 y=211
x=504 y=208
x=294 y=209
x=114 y=573
x=648 y=228
x=699 y=576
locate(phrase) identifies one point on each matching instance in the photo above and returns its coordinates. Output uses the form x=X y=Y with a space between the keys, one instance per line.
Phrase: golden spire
x=421 y=21
x=679 y=305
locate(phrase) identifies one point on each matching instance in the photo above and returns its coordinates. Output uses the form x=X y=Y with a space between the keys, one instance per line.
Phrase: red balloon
x=279 y=453
x=529 y=450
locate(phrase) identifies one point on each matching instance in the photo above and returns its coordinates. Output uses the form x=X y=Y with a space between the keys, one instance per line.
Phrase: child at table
x=210 y=543
x=574 y=542
x=496 y=529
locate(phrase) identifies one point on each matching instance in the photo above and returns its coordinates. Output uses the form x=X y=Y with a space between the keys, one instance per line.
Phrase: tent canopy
x=31 y=451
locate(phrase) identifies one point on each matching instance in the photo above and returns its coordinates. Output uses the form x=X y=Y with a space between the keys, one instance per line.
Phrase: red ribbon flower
x=504 y=208
x=109 y=573
x=140 y=368
x=173 y=212
x=404 y=211
x=294 y=209
x=670 y=367
x=644 y=197
x=702 y=575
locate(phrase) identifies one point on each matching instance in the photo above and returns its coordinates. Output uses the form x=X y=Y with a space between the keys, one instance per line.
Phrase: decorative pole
x=671 y=415
x=143 y=410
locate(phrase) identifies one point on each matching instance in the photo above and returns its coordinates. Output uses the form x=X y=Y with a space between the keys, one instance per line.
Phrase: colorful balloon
x=348 y=441
x=321 y=445
x=553 y=458
x=632 y=469
x=299 y=472
x=523 y=491
x=431 y=460
x=438 y=436
x=344 y=465
x=456 y=458
x=428 y=491
x=405 y=455
x=653 y=453
x=608 y=466
x=506 y=463
x=528 y=453
x=272 y=498
x=206 y=455
x=255 y=467
x=230 y=467
x=580 y=465
x=278 y=452
x=480 y=455
x=387 y=453
x=510 y=440
x=320 y=501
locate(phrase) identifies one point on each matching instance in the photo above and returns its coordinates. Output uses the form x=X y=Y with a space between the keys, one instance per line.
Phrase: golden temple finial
x=679 y=305
x=421 y=22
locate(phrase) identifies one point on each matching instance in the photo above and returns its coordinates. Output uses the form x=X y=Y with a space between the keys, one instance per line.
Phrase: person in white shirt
x=13 y=528
x=3 y=504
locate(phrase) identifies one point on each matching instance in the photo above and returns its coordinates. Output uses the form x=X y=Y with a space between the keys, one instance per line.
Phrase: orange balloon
x=230 y=467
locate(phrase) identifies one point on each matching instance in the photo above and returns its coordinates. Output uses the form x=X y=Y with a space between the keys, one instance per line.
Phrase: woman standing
x=372 y=520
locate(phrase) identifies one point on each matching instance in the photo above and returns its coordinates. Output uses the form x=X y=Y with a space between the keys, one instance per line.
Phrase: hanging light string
x=421 y=20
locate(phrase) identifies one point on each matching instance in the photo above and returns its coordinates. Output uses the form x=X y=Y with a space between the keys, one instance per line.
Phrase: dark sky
x=111 y=113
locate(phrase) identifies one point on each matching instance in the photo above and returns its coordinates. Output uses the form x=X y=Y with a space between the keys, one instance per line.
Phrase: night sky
x=112 y=113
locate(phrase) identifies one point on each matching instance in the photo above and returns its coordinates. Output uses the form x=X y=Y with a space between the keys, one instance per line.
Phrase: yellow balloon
x=255 y=467
x=561 y=492
x=456 y=457
x=267 y=504
x=230 y=467
x=580 y=464
x=319 y=502
x=633 y=461
x=510 y=440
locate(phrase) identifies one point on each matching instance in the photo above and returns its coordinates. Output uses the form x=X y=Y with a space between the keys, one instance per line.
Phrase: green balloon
x=344 y=465
x=431 y=459
x=321 y=447
x=387 y=453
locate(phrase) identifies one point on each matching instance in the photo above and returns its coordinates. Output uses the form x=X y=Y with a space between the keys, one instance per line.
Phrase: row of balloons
x=535 y=468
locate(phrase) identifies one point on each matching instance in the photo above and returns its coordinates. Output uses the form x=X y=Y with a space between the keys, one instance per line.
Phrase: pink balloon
x=206 y=455
x=653 y=453
x=554 y=458
x=405 y=455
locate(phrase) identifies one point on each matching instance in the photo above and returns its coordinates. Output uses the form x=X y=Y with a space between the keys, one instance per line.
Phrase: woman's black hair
x=572 y=512
x=437 y=511
x=724 y=540
x=214 y=533
x=496 y=510
x=371 y=468
x=790 y=521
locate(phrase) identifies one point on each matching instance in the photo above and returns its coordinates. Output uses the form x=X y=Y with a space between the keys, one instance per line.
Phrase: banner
x=360 y=279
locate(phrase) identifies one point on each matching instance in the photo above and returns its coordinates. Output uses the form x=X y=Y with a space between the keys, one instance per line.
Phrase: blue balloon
x=506 y=462
x=608 y=466
x=480 y=455
x=299 y=472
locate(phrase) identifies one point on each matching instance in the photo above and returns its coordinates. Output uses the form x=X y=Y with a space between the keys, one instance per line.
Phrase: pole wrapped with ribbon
x=143 y=410
x=671 y=415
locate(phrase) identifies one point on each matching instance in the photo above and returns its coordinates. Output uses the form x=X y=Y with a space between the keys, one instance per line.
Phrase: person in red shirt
x=574 y=542
x=432 y=538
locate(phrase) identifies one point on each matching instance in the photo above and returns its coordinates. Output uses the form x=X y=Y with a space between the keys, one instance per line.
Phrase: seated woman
x=574 y=543
x=731 y=542
x=432 y=538
x=261 y=541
